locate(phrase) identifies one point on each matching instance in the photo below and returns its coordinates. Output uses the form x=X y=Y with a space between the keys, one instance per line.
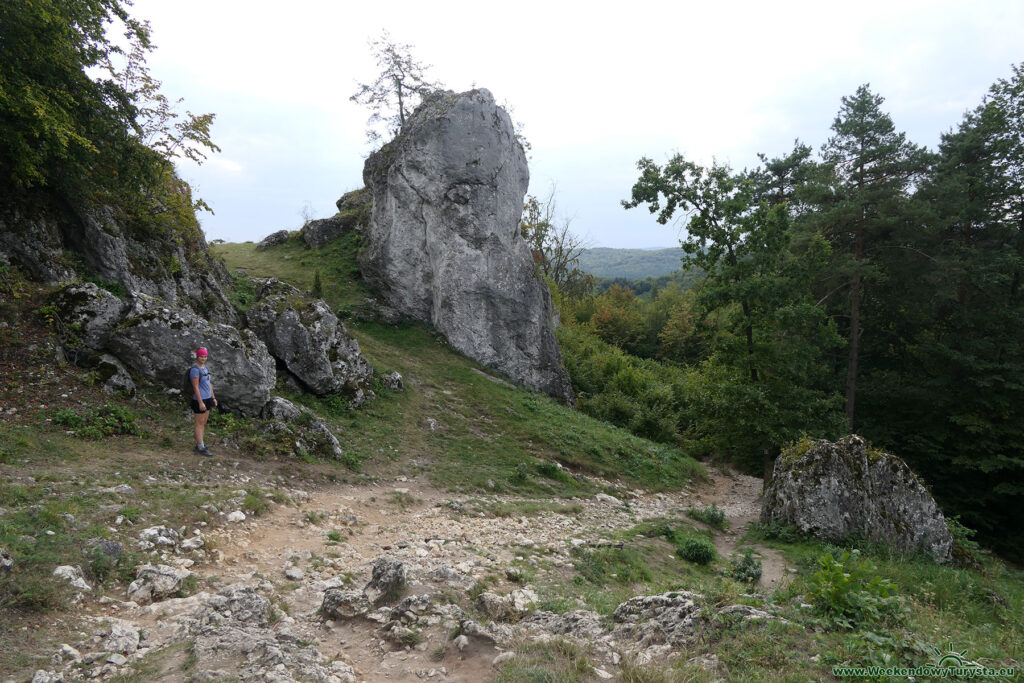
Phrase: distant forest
x=630 y=264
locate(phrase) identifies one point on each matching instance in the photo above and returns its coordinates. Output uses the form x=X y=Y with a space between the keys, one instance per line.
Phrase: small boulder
x=344 y=604
x=6 y=563
x=115 y=377
x=834 y=490
x=153 y=583
x=282 y=409
x=388 y=579
x=393 y=381
x=73 y=575
x=273 y=239
x=123 y=637
x=160 y=536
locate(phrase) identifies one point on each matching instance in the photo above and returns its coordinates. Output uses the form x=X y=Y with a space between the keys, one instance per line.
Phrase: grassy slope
x=488 y=431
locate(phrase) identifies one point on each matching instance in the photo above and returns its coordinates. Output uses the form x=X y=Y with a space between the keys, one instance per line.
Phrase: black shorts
x=207 y=402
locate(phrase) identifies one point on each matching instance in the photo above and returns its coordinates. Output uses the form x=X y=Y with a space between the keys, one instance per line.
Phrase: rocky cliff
x=443 y=243
x=168 y=259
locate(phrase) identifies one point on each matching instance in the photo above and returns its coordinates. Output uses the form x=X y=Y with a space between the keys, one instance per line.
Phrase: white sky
x=596 y=85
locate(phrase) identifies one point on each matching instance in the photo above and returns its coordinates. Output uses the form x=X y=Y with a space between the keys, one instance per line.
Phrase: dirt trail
x=333 y=536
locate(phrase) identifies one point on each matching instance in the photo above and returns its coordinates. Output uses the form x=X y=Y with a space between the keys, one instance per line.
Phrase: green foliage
x=697 y=550
x=849 y=593
x=746 y=568
x=109 y=420
x=712 y=515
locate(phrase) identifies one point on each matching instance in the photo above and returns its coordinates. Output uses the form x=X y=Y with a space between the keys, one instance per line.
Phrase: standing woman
x=202 y=397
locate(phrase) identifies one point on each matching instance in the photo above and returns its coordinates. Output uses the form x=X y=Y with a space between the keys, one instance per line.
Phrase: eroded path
x=331 y=538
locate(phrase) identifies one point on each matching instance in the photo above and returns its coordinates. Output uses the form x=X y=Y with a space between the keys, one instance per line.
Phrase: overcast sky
x=596 y=86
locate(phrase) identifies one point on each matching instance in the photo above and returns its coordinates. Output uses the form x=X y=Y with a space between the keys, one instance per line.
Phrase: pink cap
x=201 y=352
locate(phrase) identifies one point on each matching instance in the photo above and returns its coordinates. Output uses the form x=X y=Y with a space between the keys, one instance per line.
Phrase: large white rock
x=443 y=242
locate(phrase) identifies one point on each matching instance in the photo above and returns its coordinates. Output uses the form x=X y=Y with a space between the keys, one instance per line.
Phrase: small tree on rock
x=398 y=88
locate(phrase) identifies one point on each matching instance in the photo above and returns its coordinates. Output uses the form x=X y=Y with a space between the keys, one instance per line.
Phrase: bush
x=696 y=550
x=849 y=593
x=711 y=515
x=747 y=568
x=109 y=420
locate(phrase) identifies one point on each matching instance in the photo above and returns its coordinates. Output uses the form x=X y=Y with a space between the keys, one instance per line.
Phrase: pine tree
x=862 y=200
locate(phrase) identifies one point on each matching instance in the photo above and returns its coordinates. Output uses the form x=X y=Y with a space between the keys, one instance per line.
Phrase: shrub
x=696 y=550
x=746 y=568
x=711 y=515
x=849 y=593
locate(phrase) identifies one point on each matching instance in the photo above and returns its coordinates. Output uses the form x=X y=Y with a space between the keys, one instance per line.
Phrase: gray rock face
x=353 y=213
x=388 y=579
x=840 y=489
x=154 y=583
x=272 y=240
x=158 y=343
x=310 y=341
x=443 y=243
x=91 y=313
x=282 y=409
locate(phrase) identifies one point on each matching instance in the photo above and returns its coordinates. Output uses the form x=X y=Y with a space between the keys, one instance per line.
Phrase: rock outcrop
x=443 y=243
x=310 y=341
x=834 y=490
x=158 y=343
x=58 y=245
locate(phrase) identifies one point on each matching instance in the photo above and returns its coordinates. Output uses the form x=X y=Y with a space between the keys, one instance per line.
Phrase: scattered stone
x=834 y=490
x=123 y=637
x=502 y=658
x=344 y=604
x=605 y=498
x=388 y=580
x=6 y=563
x=236 y=516
x=117 y=659
x=154 y=583
x=294 y=574
x=461 y=642
x=43 y=676
x=160 y=536
x=73 y=575
x=194 y=543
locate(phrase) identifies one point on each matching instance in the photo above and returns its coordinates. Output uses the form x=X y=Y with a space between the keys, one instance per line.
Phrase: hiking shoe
x=203 y=450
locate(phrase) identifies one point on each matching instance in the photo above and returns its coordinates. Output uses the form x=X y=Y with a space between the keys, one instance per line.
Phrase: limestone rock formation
x=89 y=314
x=832 y=490
x=388 y=579
x=310 y=341
x=158 y=343
x=443 y=244
x=58 y=245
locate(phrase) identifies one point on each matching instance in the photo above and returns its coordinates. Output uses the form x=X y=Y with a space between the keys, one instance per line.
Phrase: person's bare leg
x=200 y=428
